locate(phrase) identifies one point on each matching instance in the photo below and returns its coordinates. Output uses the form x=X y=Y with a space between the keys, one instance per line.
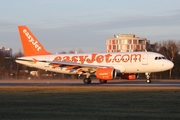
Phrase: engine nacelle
x=105 y=73
x=129 y=76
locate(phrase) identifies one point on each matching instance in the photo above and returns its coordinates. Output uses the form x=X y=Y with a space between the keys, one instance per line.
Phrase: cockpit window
x=160 y=57
x=164 y=58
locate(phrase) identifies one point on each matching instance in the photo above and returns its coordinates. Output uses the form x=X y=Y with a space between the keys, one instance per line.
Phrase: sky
x=64 y=25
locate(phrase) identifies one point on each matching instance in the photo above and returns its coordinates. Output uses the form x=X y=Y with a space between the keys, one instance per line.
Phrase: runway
x=60 y=82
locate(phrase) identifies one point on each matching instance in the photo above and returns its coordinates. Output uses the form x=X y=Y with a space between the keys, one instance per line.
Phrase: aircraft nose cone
x=170 y=65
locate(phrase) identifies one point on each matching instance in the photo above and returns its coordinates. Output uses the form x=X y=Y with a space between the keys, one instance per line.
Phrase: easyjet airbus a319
x=105 y=66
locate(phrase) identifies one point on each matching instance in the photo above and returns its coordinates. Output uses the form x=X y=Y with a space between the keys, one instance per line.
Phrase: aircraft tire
x=102 y=81
x=87 y=80
x=148 y=80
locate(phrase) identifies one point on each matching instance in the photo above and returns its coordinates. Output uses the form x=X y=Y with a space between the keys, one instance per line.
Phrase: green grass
x=89 y=103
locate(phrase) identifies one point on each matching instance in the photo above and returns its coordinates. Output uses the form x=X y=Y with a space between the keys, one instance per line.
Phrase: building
x=151 y=45
x=125 y=43
x=6 y=51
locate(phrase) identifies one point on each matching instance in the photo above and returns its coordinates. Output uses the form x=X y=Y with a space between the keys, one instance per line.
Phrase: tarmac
x=95 y=82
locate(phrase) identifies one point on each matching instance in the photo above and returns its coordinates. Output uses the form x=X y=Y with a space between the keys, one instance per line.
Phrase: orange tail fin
x=30 y=44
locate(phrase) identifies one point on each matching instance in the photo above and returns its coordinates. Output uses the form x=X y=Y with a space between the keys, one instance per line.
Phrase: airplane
x=105 y=66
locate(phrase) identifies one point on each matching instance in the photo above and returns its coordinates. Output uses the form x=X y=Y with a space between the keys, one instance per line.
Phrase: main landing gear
x=87 y=80
x=102 y=81
x=148 y=80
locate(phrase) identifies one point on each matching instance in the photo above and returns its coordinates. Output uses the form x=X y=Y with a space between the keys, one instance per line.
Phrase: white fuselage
x=125 y=62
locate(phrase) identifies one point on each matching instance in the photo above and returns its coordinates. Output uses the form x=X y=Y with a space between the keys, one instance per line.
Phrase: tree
x=63 y=52
x=18 y=67
x=72 y=51
x=169 y=49
x=80 y=50
x=1 y=60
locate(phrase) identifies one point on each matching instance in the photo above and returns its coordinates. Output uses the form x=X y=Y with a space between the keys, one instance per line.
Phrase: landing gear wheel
x=148 y=80
x=87 y=80
x=103 y=81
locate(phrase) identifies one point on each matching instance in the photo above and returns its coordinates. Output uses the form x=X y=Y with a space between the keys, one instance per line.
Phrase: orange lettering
x=117 y=58
x=124 y=58
x=74 y=58
x=100 y=58
x=92 y=59
x=58 y=58
x=82 y=59
x=135 y=57
x=66 y=58
x=107 y=58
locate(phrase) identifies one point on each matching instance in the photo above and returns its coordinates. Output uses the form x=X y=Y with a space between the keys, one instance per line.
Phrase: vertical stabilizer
x=31 y=45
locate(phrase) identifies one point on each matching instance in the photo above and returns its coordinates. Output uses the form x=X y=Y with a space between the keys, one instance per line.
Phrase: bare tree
x=80 y=50
x=169 y=49
x=71 y=51
x=1 y=60
x=63 y=52
x=17 y=66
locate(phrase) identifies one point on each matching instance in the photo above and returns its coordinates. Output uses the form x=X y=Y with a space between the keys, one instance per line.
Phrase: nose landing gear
x=148 y=80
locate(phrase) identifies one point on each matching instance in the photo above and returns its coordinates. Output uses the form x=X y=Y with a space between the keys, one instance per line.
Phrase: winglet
x=35 y=60
x=31 y=45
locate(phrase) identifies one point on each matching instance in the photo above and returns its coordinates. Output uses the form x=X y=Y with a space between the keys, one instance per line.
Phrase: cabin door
x=145 y=59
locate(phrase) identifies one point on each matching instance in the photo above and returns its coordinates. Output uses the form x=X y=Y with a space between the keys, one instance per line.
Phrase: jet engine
x=105 y=73
x=129 y=76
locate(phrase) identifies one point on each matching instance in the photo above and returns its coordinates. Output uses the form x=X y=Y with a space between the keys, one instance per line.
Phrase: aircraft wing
x=64 y=63
x=79 y=67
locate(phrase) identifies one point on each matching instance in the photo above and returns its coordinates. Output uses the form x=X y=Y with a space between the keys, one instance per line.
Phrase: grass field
x=89 y=103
